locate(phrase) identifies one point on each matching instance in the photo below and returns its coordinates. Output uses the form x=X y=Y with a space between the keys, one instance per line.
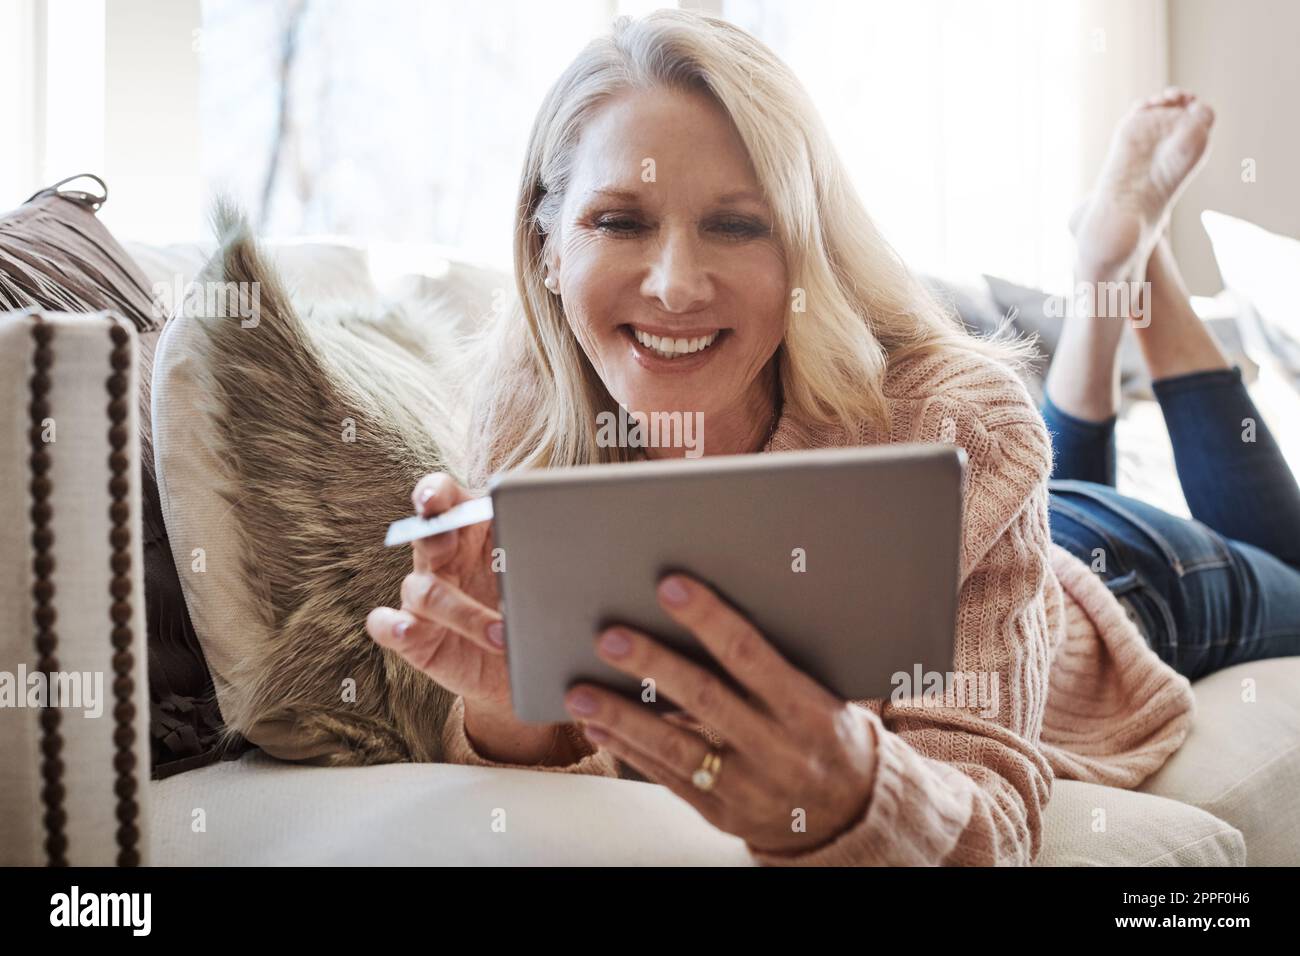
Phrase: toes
x=1202 y=113
x=1170 y=96
x=1193 y=130
x=1184 y=148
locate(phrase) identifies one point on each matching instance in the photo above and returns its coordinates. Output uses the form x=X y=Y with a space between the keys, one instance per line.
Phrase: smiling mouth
x=674 y=347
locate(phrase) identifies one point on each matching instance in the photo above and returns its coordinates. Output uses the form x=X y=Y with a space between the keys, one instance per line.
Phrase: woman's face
x=666 y=263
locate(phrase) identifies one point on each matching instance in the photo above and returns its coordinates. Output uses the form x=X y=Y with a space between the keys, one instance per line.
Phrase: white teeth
x=666 y=347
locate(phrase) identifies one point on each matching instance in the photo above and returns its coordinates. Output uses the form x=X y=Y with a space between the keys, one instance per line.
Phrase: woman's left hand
x=799 y=762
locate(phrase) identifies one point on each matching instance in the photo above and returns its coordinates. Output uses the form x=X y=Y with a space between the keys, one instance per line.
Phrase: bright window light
x=74 y=89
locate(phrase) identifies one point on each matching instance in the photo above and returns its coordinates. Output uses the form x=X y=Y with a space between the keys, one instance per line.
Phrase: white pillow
x=1260 y=267
x=316 y=271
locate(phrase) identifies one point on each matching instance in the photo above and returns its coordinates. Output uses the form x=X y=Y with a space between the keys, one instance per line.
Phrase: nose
x=677 y=279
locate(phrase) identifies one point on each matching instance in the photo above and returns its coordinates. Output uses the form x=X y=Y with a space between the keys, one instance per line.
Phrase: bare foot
x=1153 y=153
x=1155 y=150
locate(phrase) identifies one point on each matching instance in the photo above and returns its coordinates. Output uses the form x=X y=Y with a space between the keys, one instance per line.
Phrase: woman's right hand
x=448 y=627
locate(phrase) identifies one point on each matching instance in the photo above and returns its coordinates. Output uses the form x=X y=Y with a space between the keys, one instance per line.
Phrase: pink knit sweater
x=1082 y=696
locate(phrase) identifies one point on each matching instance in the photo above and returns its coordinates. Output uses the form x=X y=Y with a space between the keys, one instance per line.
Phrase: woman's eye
x=619 y=225
x=739 y=227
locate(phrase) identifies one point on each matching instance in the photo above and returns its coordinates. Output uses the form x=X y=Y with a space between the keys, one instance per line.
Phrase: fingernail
x=496 y=633
x=595 y=734
x=580 y=702
x=424 y=496
x=400 y=629
x=673 y=591
x=615 y=642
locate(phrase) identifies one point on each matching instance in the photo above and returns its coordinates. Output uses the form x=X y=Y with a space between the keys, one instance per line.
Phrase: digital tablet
x=845 y=559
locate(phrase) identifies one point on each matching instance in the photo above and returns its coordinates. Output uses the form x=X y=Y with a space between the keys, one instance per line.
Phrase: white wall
x=1126 y=59
x=106 y=88
x=151 y=100
x=1243 y=57
x=19 y=62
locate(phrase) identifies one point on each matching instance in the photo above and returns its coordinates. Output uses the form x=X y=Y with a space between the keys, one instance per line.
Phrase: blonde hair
x=536 y=396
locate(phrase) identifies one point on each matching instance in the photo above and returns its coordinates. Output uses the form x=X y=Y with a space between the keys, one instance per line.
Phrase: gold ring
x=707 y=776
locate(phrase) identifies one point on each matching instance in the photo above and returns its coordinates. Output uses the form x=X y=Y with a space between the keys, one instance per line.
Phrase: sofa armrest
x=74 y=757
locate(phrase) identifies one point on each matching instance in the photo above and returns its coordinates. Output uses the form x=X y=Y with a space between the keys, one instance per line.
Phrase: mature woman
x=679 y=196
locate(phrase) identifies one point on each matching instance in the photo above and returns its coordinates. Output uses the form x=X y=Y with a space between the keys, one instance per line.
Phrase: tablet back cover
x=846 y=559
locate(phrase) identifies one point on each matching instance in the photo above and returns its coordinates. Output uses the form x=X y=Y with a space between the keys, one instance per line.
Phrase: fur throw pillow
x=323 y=423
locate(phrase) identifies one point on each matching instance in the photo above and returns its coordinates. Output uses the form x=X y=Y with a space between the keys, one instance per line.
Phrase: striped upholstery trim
x=124 y=713
x=47 y=639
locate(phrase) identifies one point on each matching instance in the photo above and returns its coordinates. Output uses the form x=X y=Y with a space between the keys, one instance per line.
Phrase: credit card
x=413 y=528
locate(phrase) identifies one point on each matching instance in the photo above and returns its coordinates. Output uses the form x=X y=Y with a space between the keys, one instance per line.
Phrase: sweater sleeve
x=961 y=780
x=457 y=748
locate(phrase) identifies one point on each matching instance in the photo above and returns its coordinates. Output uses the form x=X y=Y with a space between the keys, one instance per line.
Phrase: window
x=970 y=127
x=399 y=119
x=52 y=68
x=959 y=121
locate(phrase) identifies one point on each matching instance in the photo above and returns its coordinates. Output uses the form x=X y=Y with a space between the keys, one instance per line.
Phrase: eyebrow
x=726 y=199
x=741 y=195
x=621 y=195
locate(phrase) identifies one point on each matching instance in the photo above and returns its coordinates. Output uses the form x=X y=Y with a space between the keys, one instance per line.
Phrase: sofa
x=1229 y=797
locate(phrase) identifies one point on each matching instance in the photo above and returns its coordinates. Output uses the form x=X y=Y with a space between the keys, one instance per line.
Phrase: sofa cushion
x=1086 y=824
x=1241 y=762
x=315 y=271
x=284 y=445
x=259 y=811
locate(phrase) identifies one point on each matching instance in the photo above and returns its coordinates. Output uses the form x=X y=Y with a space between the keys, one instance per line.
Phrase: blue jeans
x=1217 y=590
